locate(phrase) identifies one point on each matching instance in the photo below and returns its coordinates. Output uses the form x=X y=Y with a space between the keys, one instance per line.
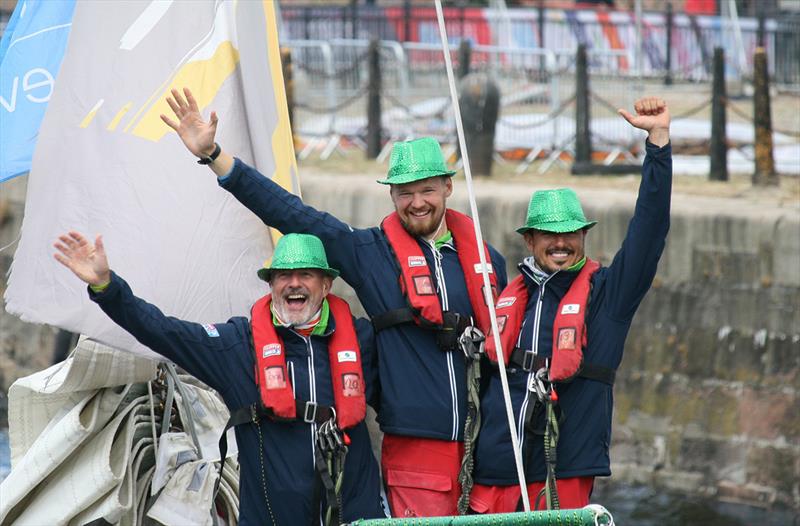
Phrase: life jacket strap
x=391 y=318
x=453 y=325
x=525 y=359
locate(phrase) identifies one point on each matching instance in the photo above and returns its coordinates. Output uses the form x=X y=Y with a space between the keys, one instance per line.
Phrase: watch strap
x=211 y=158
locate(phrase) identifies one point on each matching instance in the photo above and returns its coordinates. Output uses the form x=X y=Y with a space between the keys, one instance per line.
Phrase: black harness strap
x=392 y=317
x=255 y=412
x=528 y=361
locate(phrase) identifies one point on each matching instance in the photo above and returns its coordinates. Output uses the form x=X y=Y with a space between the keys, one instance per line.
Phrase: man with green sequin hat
x=563 y=324
x=418 y=277
x=295 y=377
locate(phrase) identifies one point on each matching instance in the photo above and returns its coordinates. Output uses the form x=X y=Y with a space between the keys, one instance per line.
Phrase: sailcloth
x=105 y=163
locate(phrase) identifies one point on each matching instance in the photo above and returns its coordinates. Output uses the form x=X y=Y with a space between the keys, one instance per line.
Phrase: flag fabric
x=30 y=56
x=105 y=163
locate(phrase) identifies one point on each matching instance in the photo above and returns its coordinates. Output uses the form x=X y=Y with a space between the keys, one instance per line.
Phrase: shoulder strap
x=510 y=308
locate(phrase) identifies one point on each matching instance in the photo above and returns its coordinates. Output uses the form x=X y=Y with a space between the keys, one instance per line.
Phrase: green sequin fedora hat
x=557 y=211
x=296 y=251
x=416 y=160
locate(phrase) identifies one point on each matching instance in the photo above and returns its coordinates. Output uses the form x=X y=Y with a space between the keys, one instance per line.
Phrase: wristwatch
x=211 y=158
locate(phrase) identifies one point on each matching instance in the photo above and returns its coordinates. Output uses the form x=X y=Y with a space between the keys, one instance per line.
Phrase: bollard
x=479 y=98
x=668 y=66
x=583 y=133
x=719 y=142
x=374 y=132
x=288 y=84
x=464 y=58
x=760 y=33
x=764 y=174
x=407 y=21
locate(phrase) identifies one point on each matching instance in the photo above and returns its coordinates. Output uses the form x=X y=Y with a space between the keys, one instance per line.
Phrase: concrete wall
x=706 y=398
x=707 y=395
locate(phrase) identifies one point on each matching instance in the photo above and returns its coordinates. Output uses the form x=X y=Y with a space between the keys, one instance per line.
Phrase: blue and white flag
x=30 y=56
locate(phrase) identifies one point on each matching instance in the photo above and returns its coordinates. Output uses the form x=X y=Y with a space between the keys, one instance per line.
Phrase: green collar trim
x=443 y=240
x=322 y=326
x=577 y=266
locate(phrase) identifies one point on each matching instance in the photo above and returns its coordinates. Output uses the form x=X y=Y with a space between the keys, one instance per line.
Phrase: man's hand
x=652 y=115
x=85 y=260
x=196 y=134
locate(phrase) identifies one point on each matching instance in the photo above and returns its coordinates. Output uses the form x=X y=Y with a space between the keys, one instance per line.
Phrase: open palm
x=196 y=133
x=85 y=260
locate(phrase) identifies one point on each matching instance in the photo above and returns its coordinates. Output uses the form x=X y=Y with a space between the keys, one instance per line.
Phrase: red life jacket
x=344 y=356
x=569 y=326
x=416 y=281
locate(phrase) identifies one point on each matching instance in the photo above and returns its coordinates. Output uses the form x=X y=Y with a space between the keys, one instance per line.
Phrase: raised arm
x=197 y=134
x=275 y=206
x=634 y=266
x=205 y=351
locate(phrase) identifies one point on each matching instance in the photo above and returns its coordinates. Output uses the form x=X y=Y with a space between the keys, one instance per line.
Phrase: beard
x=423 y=228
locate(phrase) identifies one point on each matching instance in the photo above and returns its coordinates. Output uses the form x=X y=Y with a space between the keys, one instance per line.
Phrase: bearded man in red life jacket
x=563 y=324
x=295 y=377
x=419 y=278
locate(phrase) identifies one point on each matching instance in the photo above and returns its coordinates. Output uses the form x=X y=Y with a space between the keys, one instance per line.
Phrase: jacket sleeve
x=285 y=211
x=202 y=350
x=369 y=360
x=634 y=266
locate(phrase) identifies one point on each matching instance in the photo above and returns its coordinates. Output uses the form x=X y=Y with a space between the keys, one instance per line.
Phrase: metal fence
x=537 y=102
x=693 y=37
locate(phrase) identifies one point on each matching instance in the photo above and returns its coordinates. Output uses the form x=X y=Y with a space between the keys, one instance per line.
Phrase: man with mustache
x=418 y=277
x=563 y=325
x=293 y=377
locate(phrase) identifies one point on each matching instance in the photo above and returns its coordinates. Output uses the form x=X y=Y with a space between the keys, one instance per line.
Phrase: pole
x=487 y=288
x=374 y=132
x=670 y=21
x=583 y=132
x=764 y=174
x=464 y=58
x=719 y=144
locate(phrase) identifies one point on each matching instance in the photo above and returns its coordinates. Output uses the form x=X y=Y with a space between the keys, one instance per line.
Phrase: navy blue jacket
x=221 y=356
x=422 y=389
x=616 y=292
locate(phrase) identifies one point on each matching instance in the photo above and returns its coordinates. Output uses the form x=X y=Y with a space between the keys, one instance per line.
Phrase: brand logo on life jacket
x=351 y=383
x=271 y=349
x=571 y=308
x=211 y=330
x=501 y=323
x=506 y=302
x=478 y=268
x=417 y=261
x=274 y=377
x=346 y=356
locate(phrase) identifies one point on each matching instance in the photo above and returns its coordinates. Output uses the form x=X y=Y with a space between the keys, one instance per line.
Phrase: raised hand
x=652 y=115
x=87 y=261
x=196 y=134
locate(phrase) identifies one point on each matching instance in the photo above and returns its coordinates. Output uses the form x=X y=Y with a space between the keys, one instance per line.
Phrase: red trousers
x=421 y=475
x=572 y=493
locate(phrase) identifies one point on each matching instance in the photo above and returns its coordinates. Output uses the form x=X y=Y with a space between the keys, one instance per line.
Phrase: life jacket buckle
x=310 y=413
x=528 y=359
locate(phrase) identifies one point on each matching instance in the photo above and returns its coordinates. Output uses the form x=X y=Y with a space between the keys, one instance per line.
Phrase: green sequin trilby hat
x=296 y=251
x=415 y=160
x=556 y=211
